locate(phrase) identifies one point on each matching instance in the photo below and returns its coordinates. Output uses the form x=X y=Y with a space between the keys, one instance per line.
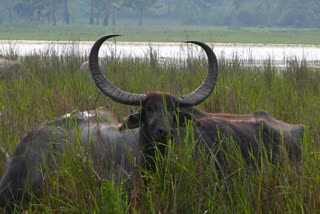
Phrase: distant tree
x=8 y=7
x=116 y=5
x=24 y=9
x=140 y=6
x=66 y=13
x=236 y=13
x=36 y=10
x=93 y=11
x=297 y=13
x=52 y=12
x=98 y=6
x=169 y=6
x=193 y=11
x=107 y=12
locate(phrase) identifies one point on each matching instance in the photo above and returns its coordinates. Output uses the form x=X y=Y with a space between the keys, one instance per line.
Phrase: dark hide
x=157 y=120
x=254 y=134
x=97 y=131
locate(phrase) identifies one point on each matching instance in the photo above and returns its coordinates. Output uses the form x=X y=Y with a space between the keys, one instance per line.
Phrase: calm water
x=253 y=53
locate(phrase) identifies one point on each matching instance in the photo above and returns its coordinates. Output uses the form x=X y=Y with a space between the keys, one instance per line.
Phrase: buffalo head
x=159 y=110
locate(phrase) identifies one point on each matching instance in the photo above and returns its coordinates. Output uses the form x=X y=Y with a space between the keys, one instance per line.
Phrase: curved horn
x=104 y=84
x=206 y=88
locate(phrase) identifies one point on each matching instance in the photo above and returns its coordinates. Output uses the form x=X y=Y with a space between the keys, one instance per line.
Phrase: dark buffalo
x=11 y=69
x=255 y=135
x=160 y=111
x=160 y=114
x=96 y=130
x=99 y=131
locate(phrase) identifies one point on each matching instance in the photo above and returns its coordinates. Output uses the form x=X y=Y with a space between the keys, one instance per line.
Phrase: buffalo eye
x=149 y=108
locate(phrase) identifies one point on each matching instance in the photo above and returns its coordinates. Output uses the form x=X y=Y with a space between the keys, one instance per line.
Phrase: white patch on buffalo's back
x=87 y=114
x=67 y=115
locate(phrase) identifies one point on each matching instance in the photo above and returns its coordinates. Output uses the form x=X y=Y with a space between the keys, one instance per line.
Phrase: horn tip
x=108 y=36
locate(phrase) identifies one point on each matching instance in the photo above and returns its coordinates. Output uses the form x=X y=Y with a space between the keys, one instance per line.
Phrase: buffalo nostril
x=162 y=131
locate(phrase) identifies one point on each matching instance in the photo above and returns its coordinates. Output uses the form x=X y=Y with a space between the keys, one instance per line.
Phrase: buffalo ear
x=132 y=121
x=183 y=117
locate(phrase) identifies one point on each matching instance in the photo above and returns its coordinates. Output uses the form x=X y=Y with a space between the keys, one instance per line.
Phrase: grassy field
x=181 y=183
x=160 y=32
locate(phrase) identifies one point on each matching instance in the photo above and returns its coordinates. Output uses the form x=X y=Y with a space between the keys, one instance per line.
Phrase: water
x=252 y=53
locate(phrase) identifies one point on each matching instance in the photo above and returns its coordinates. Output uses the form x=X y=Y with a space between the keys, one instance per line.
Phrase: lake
x=252 y=53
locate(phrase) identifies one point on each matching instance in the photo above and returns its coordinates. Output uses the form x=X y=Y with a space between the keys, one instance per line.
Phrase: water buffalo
x=97 y=130
x=160 y=111
x=11 y=68
x=160 y=114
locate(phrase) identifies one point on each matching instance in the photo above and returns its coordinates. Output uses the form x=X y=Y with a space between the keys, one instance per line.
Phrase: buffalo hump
x=10 y=69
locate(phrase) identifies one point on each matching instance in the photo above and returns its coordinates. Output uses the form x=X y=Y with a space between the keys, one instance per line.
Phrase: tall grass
x=182 y=182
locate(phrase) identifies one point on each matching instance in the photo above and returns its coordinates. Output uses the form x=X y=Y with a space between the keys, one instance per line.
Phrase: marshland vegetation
x=181 y=183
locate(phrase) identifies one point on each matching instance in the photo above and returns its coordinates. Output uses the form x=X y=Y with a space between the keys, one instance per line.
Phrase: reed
x=184 y=181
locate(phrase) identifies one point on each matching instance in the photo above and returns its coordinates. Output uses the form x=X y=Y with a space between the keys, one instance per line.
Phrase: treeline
x=262 y=13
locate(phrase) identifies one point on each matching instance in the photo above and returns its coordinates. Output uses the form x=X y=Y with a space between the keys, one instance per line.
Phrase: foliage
x=182 y=183
x=140 y=6
x=267 y=13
